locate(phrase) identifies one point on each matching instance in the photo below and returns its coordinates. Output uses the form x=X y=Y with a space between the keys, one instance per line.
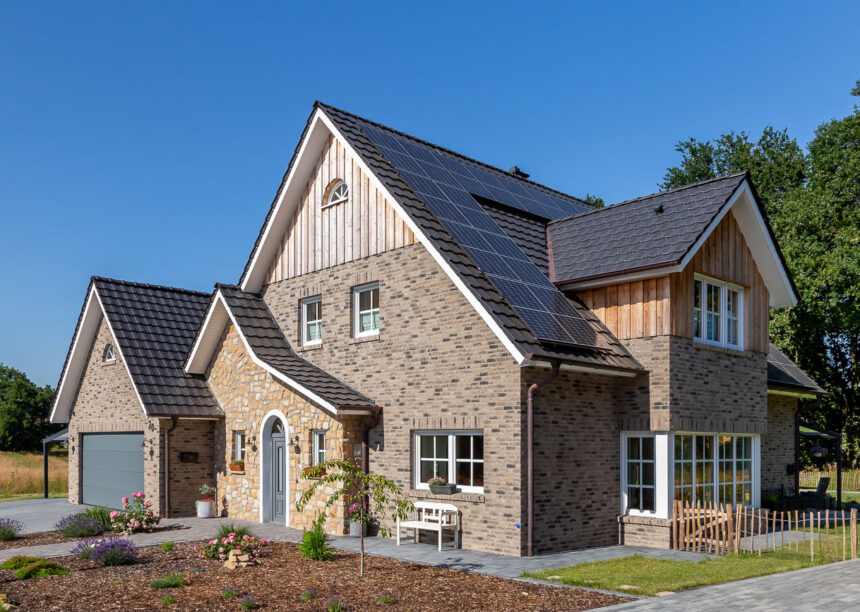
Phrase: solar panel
x=445 y=184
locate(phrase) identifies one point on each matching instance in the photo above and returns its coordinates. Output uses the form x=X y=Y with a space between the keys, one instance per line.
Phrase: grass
x=649 y=576
x=21 y=475
x=226 y=529
x=172 y=580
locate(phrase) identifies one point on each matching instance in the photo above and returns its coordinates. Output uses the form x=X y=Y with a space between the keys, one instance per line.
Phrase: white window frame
x=304 y=307
x=755 y=458
x=338 y=194
x=239 y=442
x=452 y=457
x=109 y=353
x=724 y=288
x=356 y=300
x=319 y=451
x=661 y=474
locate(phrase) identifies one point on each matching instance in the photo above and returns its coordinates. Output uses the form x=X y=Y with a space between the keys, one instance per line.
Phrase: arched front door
x=277 y=469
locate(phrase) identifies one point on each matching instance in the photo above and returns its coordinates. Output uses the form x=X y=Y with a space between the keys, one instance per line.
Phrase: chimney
x=515 y=170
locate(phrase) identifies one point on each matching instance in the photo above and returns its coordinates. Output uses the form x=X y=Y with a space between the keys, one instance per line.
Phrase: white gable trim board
x=289 y=198
x=78 y=358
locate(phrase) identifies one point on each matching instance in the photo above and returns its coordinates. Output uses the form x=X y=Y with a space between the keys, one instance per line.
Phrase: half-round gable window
x=110 y=353
x=338 y=193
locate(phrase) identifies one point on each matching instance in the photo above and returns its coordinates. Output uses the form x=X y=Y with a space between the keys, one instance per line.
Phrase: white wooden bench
x=433 y=516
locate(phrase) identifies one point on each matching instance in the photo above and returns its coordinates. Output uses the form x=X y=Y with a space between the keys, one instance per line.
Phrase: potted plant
x=818 y=451
x=237 y=466
x=438 y=486
x=206 y=506
x=359 y=518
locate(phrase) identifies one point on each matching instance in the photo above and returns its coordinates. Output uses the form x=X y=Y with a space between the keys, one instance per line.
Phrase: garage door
x=112 y=467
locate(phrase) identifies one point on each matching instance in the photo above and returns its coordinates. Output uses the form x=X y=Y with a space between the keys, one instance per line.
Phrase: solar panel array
x=445 y=184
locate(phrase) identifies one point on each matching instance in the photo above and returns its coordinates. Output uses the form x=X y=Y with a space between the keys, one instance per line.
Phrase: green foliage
x=386 y=598
x=813 y=203
x=307 y=594
x=172 y=580
x=167 y=546
x=40 y=568
x=100 y=514
x=226 y=529
x=594 y=200
x=169 y=600
x=19 y=561
x=24 y=410
x=314 y=544
x=207 y=491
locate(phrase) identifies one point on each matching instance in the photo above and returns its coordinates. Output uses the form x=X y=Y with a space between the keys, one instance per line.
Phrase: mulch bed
x=55 y=537
x=280 y=579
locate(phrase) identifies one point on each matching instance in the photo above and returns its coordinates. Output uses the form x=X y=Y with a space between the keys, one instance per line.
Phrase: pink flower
x=263 y=541
x=232 y=535
x=125 y=500
x=212 y=542
x=223 y=540
x=113 y=514
x=220 y=549
x=221 y=557
x=147 y=504
x=141 y=495
x=200 y=556
x=195 y=548
x=246 y=537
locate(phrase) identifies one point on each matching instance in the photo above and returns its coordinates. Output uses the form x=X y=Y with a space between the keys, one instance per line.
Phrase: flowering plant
x=136 y=516
x=358 y=512
x=219 y=549
x=818 y=451
x=107 y=551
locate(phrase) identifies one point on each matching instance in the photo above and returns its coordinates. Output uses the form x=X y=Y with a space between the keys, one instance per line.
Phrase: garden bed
x=55 y=537
x=280 y=580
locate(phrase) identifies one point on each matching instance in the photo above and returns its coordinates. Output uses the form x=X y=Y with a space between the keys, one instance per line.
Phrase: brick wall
x=645 y=531
x=777 y=445
x=106 y=402
x=434 y=365
x=189 y=436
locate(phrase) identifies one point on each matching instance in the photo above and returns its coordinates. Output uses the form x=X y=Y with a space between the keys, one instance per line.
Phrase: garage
x=112 y=467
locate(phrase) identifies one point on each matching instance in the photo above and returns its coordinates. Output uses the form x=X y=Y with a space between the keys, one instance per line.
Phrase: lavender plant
x=114 y=551
x=79 y=526
x=10 y=529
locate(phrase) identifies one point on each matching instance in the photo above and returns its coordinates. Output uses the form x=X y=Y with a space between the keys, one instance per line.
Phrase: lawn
x=640 y=575
x=21 y=475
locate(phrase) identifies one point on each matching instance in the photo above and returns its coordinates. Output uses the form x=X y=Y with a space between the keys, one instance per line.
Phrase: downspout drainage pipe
x=173 y=422
x=530 y=480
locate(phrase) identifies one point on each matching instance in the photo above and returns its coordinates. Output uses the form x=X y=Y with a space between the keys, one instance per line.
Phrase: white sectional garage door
x=112 y=467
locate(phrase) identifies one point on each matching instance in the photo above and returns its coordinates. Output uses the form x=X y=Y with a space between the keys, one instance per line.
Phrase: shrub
x=40 y=568
x=136 y=515
x=19 y=561
x=308 y=594
x=220 y=549
x=10 y=529
x=84 y=549
x=228 y=528
x=207 y=492
x=114 y=551
x=248 y=602
x=172 y=580
x=167 y=601
x=314 y=544
x=228 y=591
x=79 y=526
x=167 y=546
x=335 y=604
x=100 y=514
x=386 y=598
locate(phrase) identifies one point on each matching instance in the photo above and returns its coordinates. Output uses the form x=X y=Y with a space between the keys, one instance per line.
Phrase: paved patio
x=39 y=514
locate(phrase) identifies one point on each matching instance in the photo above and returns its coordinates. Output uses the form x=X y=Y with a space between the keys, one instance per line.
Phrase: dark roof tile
x=783 y=372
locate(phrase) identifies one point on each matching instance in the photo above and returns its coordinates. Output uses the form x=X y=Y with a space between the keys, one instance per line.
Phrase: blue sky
x=146 y=141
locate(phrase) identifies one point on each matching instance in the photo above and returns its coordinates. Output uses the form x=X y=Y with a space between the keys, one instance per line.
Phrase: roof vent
x=658 y=209
x=515 y=170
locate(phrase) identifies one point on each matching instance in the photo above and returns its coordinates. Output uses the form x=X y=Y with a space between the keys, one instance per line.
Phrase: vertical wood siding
x=318 y=238
x=664 y=306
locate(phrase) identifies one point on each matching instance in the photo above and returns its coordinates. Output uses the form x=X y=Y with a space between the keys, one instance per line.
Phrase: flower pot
x=445 y=489
x=205 y=508
x=356 y=528
x=237 y=467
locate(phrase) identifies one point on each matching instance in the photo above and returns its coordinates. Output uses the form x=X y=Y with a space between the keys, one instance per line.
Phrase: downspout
x=530 y=481
x=174 y=421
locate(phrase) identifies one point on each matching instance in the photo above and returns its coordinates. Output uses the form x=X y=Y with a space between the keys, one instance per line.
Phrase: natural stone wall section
x=777 y=445
x=434 y=365
x=246 y=394
x=106 y=402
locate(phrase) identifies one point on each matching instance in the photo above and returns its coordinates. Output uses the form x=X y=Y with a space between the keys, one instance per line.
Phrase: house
x=573 y=370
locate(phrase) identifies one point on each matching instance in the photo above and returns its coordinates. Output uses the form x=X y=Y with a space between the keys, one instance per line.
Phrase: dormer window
x=338 y=193
x=717 y=312
x=109 y=355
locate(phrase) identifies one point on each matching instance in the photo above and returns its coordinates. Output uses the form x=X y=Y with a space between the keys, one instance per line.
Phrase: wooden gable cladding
x=320 y=237
x=725 y=256
x=664 y=305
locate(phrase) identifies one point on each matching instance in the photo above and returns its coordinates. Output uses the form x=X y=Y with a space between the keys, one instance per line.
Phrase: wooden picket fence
x=720 y=529
x=850 y=479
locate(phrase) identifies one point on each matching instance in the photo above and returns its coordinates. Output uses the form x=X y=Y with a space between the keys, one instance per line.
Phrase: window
x=238 y=445
x=319 y=452
x=640 y=483
x=717 y=312
x=458 y=457
x=337 y=194
x=366 y=305
x=311 y=321
x=110 y=353
x=712 y=468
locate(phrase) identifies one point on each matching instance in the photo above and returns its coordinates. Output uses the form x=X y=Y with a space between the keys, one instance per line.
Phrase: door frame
x=265 y=453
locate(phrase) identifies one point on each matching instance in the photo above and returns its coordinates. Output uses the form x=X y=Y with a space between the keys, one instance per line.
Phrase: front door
x=279 y=476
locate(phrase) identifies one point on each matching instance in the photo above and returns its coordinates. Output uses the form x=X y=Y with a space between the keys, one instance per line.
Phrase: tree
x=594 y=200
x=23 y=411
x=383 y=494
x=813 y=204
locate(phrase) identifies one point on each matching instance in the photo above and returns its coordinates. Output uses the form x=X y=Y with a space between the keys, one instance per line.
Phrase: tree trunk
x=361 y=527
